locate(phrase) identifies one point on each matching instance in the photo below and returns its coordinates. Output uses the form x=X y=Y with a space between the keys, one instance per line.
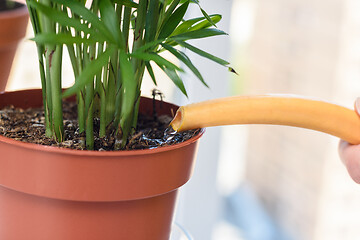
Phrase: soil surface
x=28 y=126
x=6 y=6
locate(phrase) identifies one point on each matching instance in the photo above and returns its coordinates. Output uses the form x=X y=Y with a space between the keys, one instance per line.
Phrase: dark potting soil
x=28 y=126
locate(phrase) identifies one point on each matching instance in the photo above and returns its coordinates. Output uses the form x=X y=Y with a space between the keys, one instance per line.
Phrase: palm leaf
x=110 y=20
x=151 y=72
x=197 y=34
x=173 y=75
x=63 y=19
x=80 y=10
x=61 y=38
x=203 y=53
x=173 y=21
x=185 y=59
x=201 y=22
x=157 y=59
x=206 y=24
x=127 y=3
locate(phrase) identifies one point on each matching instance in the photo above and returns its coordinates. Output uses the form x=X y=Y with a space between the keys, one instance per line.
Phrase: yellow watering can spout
x=270 y=109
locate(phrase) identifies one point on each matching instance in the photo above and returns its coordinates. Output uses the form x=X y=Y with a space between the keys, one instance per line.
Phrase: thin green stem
x=126 y=26
x=89 y=102
x=80 y=96
x=111 y=90
x=119 y=95
x=90 y=123
x=73 y=59
x=55 y=73
x=136 y=111
x=34 y=18
x=100 y=90
x=140 y=23
x=138 y=77
x=102 y=131
x=48 y=56
x=48 y=27
x=81 y=112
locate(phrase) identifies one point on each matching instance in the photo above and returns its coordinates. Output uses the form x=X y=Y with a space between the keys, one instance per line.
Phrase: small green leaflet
x=127 y=3
x=61 y=38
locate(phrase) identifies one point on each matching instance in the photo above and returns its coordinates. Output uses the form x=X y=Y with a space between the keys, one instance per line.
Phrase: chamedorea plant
x=111 y=43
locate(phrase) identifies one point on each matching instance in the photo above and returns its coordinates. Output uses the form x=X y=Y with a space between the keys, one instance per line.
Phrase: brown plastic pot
x=52 y=193
x=13 y=25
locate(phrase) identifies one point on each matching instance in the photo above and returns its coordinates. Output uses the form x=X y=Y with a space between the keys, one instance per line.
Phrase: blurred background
x=264 y=182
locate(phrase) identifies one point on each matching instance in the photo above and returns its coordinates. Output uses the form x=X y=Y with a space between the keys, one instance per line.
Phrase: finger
x=342 y=146
x=350 y=155
x=357 y=106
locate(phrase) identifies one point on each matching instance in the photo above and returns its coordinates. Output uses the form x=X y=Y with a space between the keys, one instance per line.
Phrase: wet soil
x=27 y=125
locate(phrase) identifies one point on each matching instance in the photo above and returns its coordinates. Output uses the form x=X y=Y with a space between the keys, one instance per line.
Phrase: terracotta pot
x=13 y=25
x=52 y=193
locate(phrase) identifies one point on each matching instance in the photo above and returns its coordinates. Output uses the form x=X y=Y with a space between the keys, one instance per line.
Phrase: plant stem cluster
x=111 y=43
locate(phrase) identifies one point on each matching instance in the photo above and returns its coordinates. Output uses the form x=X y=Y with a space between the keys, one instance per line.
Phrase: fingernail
x=357 y=105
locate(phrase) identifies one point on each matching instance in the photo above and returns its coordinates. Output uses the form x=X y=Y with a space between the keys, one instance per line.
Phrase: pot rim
x=15 y=13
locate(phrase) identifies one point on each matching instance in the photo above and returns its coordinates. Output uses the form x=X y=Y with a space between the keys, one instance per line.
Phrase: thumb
x=357 y=106
x=350 y=155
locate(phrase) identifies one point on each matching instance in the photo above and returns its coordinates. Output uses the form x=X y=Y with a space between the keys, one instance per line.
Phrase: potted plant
x=13 y=21
x=52 y=193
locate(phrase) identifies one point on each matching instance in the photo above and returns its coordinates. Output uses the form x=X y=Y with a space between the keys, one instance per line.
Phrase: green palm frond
x=111 y=43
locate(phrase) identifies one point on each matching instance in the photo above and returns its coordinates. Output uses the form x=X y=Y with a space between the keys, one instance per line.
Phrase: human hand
x=350 y=154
